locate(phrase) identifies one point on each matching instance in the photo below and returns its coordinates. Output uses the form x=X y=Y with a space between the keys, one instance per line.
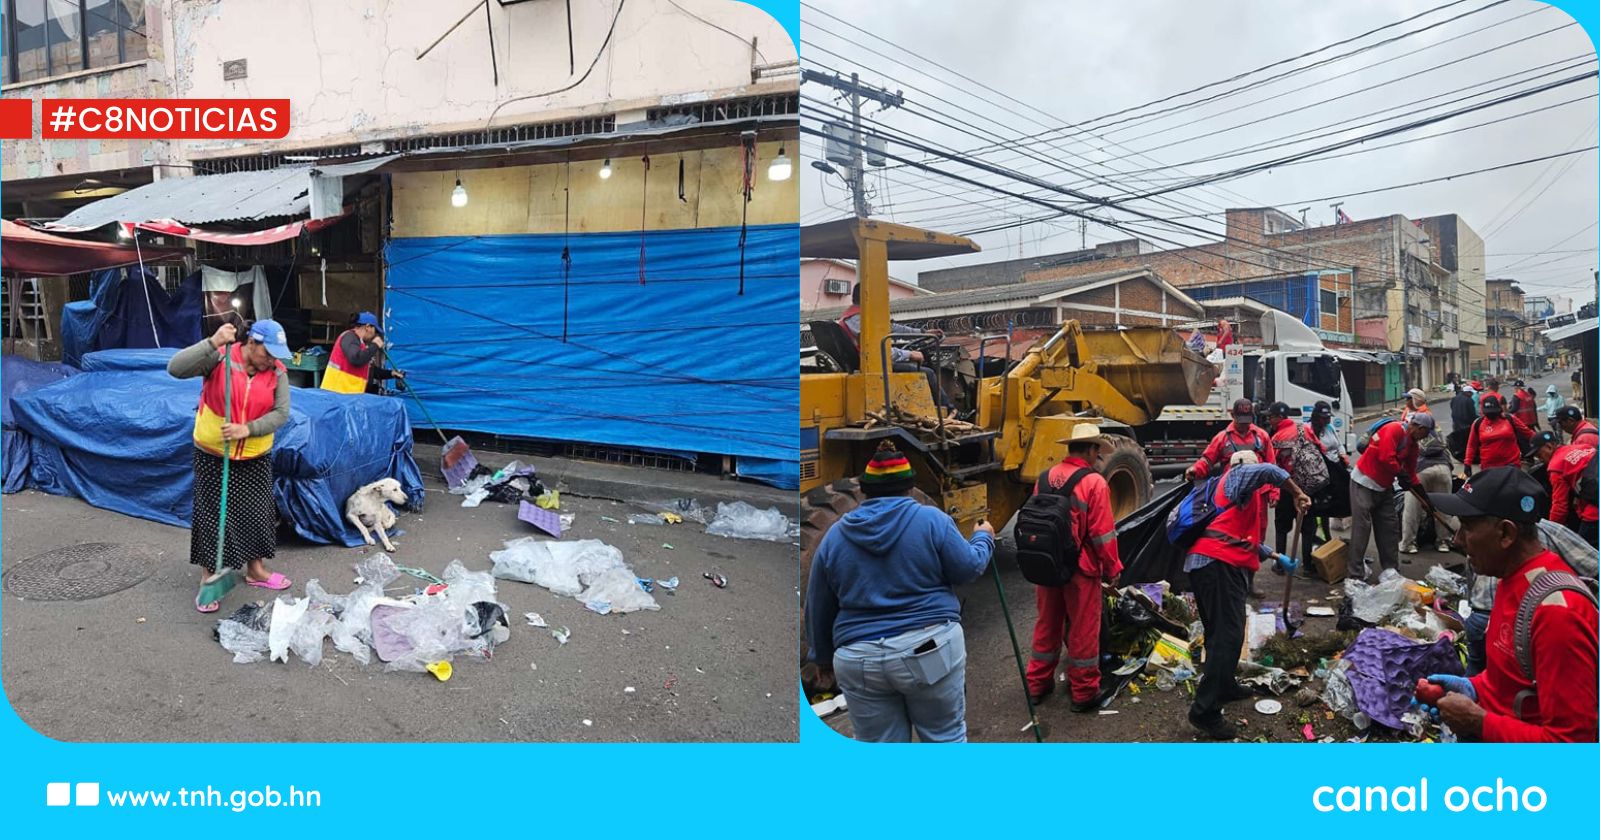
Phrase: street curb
x=633 y=485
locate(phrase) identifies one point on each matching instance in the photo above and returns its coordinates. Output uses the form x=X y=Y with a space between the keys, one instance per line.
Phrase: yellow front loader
x=985 y=468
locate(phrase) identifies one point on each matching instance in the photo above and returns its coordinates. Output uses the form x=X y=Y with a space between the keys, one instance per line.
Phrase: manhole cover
x=80 y=572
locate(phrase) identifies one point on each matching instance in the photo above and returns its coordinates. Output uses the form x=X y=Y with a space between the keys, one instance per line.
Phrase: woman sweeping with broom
x=244 y=400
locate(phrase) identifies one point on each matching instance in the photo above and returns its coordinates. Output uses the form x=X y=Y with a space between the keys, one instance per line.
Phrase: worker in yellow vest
x=350 y=364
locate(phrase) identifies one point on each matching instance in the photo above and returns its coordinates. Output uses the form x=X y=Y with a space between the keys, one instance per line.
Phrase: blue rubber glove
x=1285 y=565
x=1451 y=684
x=1459 y=685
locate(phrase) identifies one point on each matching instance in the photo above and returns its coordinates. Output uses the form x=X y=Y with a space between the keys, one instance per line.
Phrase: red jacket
x=1227 y=442
x=1586 y=430
x=1565 y=465
x=1234 y=537
x=1527 y=409
x=1390 y=453
x=1096 y=527
x=1564 y=652
x=1283 y=436
x=1496 y=442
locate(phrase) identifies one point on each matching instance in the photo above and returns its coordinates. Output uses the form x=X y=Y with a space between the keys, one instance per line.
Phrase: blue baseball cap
x=270 y=333
x=367 y=319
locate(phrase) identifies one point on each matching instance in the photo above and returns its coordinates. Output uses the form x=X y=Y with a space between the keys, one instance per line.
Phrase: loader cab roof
x=837 y=240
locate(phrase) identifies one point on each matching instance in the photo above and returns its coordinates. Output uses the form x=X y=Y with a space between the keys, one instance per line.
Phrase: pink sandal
x=206 y=608
x=274 y=581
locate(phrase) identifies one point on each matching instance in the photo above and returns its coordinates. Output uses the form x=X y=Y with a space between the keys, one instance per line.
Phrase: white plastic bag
x=588 y=570
x=743 y=521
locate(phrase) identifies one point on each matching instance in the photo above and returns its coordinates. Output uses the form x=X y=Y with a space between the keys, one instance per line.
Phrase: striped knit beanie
x=888 y=473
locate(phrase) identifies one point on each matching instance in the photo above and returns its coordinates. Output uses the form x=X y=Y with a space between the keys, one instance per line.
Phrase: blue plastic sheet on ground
x=123 y=312
x=122 y=441
x=154 y=358
x=680 y=362
x=18 y=376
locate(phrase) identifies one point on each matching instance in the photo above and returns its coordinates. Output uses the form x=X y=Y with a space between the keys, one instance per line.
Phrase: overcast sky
x=1057 y=62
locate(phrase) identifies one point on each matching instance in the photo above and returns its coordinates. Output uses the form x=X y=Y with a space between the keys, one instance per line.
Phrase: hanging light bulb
x=605 y=170
x=781 y=167
x=458 y=196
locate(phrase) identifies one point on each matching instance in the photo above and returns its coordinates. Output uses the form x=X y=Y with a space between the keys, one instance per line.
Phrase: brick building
x=1508 y=344
x=1401 y=297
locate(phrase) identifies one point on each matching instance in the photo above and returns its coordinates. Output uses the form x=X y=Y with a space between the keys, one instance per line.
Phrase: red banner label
x=165 y=119
x=16 y=119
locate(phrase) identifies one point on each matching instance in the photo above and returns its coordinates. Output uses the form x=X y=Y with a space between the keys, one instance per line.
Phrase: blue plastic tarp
x=124 y=312
x=122 y=440
x=154 y=358
x=680 y=361
x=18 y=376
x=781 y=473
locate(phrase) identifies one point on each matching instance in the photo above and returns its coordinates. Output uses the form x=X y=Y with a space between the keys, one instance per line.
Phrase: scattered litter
x=1446 y=582
x=1268 y=706
x=244 y=633
x=671 y=518
x=588 y=570
x=567 y=519
x=1107 y=712
x=673 y=680
x=834 y=704
x=717 y=580
x=440 y=670
x=598 y=606
x=610 y=519
x=669 y=584
x=549 y=500
x=628 y=690
x=1305 y=697
x=561 y=634
x=535 y=620
x=647 y=584
x=544 y=519
x=533 y=666
x=1390 y=599
x=1321 y=612
x=139 y=620
x=667 y=546
x=1311 y=734
x=644 y=519
x=688 y=509
x=743 y=521
x=587 y=722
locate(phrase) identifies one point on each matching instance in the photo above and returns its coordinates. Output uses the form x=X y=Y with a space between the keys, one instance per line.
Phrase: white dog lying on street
x=366 y=509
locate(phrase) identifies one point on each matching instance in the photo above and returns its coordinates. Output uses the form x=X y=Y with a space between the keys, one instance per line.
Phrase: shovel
x=1292 y=627
x=1438 y=517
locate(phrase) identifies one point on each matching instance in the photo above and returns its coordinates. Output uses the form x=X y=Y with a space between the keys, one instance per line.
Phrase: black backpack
x=1588 y=484
x=1047 y=543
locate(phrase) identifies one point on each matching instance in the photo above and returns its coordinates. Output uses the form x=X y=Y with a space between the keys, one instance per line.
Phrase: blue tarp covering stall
x=122 y=312
x=122 y=440
x=676 y=359
x=18 y=376
x=154 y=358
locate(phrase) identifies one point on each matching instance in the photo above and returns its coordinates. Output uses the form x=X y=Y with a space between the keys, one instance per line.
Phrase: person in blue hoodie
x=882 y=612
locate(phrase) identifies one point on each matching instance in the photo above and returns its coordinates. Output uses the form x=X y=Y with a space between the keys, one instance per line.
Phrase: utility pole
x=857 y=92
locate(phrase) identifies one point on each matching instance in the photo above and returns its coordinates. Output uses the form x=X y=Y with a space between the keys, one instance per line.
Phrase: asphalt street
x=141 y=664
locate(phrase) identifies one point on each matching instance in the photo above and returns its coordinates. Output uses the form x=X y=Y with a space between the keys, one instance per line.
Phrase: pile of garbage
x=511 y=484
x=455 y=615
x=743 y=521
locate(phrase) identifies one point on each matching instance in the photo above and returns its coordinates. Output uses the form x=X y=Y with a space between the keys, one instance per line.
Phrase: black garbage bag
x=1334 y=499
x=1147 y=557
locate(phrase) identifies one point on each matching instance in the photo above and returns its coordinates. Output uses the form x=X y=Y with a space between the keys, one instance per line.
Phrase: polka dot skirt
x=252 y=532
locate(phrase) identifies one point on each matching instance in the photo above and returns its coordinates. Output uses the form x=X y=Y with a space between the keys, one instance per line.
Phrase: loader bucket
x=1151 y=366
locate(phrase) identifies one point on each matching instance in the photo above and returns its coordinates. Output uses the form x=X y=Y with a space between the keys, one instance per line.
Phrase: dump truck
x=981 y=466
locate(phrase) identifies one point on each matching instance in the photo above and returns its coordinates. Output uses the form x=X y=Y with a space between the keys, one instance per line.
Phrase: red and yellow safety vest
x=343 y=377
x=253 y=397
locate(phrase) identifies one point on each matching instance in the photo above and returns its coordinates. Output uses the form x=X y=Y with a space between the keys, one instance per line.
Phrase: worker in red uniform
x=1497 y=439
x=1219 y=565
x=1241 y=434
x=1576 y=428
x=1563 y=465
x=1073 y=610
x=1539 y=683
x=1524 y=405
x=1390 y=460
x=350 y=365
x=1285 y=432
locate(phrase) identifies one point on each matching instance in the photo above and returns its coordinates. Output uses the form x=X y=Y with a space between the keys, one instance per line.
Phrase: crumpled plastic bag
x=588 y=570
x=1341 y=698
x=1386 y=601
x=286 y=617
x=1445 y=582
x=743 y=521
x=244 y=633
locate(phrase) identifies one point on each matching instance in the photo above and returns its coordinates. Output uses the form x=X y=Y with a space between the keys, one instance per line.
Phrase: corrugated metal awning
x=1570 y=330
x=226 y=197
